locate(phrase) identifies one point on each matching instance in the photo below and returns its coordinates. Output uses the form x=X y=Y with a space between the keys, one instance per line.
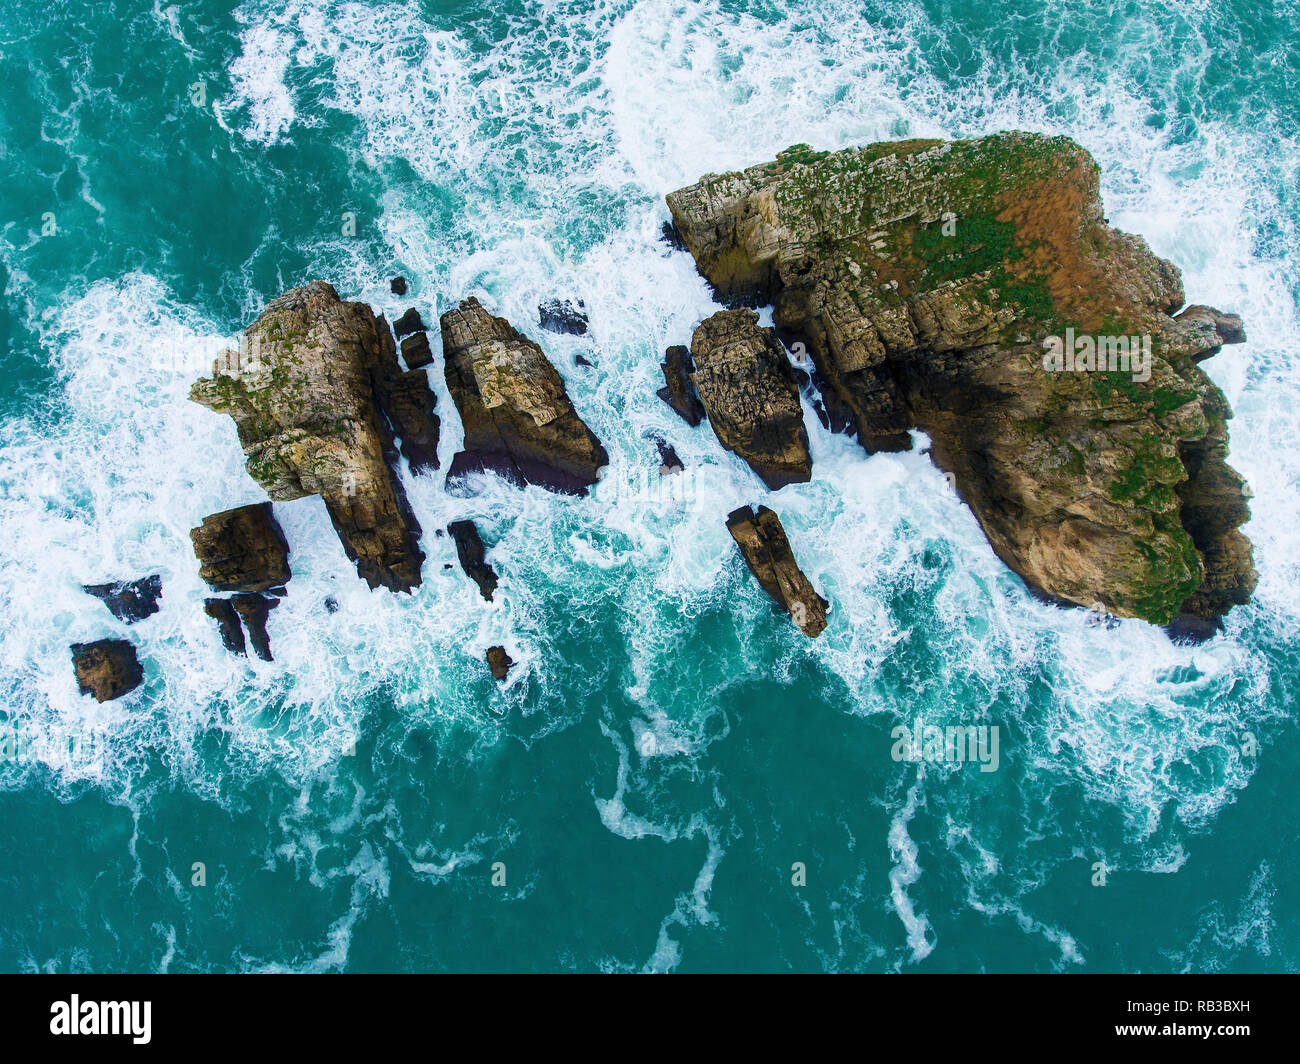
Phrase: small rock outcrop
x=228 y=627
x=499 y=662
x=398 y=286
x=669 y=462
x=514 y=407
x=415 y=350
x=973 y=290
x=106 y=668
x=563 y=316
x=318 y=397
x=767 y=552
x=409 y=324
x=253 y=610
x=678 y=391
x=243 y=549
x=748 y=388
x=129 y=601
x=469 y=549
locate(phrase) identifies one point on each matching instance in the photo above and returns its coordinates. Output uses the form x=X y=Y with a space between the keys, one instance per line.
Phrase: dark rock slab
x=409 y=323
x=242 y=549
x=228 y=626
x=408 y=403
x=668 y=460
x=253 y=610
x=469 y=549
x=563 y=316
x=398 y=286
x=129 y=601
x=415 y=350
x=678 y=390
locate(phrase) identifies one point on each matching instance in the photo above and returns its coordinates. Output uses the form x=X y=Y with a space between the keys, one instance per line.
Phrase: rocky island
x=974 y=290
x=319 y=398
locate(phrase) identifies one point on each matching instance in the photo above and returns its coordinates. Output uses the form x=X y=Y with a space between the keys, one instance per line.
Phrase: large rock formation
x=763 y=542
x=748 y=387
x=106 y=668
x=938 y=285
x=317 y=395
x=243 y=549
x=516 y=412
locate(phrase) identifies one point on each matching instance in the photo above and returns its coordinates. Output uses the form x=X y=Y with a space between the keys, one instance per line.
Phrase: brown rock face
x=499 y=662
x=243 y=549
x=317 y=395
x=748 y=387
x=517 y=416
x=763 y=542
x=106 y=668
x=934 y=284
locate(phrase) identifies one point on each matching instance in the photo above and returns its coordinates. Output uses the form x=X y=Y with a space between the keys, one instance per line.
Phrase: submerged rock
x=469 y=549
x=243 y=549
x=748 y=387
x=499 y=662
x=937 y=285
x=678 y=391
x=129 y=601
x=767 y=552
x=514 y=407
x=106 y=668
x=563 y=316
x=317 y=395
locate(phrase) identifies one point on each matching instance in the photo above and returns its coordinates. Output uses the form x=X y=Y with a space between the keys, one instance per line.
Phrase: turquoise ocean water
x=669 y=747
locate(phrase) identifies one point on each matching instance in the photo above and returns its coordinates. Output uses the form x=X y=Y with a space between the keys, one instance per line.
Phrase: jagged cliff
x=748 y=388
x=318 y=396
x=968 y=289
x=514 y=406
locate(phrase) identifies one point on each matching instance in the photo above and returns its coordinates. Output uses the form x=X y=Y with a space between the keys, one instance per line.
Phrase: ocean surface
x=673 y=778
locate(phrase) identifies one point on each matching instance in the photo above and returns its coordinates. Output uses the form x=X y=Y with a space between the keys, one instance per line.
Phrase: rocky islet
x=926 y=279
